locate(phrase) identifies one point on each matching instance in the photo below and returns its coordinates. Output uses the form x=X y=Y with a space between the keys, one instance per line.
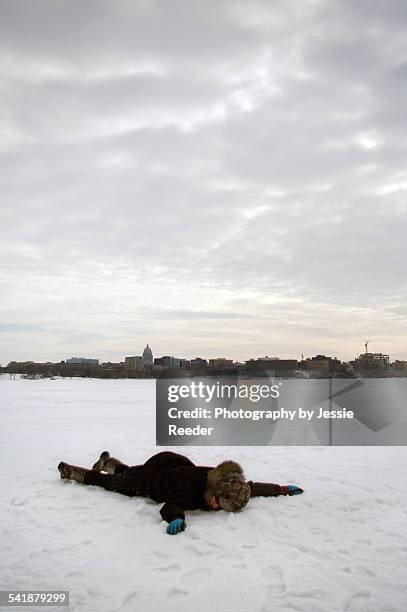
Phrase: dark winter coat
x=167 y=477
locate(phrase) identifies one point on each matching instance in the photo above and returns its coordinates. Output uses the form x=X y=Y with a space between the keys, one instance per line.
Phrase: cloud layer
x=220 y=178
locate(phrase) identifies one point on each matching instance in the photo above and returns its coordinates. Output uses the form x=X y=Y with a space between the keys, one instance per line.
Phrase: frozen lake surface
x=342 y=546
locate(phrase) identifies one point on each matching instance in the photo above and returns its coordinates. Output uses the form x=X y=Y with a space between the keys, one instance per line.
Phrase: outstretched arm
x=268 y=489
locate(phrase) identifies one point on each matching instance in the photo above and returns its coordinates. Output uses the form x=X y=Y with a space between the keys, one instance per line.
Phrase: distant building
x=400 y=367
x=159 y=362
x=147 y=357
x=134 y=363
x=184 y=364
x=220 y=363
x=18 y=363
x=140 y=363
x=113 y=365
x=371 y=364
x=82 y=361
x=198 y=362
x=170 y=362
x=164 y=362
x=239 y=366
x=272 y=366
x=320 y=364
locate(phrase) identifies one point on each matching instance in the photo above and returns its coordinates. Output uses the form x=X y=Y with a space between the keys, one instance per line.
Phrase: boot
x=106 y=463
x=99 y=466
x=112 y=464
x=72 y=472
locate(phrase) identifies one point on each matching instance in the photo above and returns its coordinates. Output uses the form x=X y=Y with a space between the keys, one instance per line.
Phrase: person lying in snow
x=173 y=479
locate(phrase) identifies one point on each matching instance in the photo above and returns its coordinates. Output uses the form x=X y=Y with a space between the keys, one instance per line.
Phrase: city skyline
x=154 y=355
x=227 y=179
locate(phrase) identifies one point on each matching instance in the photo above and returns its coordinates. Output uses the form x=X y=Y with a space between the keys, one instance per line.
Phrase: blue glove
x=290 y=490
x=176 y=526
x=294 y=490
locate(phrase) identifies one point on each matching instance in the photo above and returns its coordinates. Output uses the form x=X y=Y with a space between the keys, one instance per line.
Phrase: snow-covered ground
x=342 y=546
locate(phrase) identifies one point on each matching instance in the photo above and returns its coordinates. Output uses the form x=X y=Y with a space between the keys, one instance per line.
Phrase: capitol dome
x=148 y=355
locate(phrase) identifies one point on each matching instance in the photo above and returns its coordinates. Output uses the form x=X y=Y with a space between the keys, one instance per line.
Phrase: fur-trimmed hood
x=227 y=483
x=224 y=471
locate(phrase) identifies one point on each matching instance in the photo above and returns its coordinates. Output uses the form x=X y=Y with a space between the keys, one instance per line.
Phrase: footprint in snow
x=130 y=597
x=366 y=571
x=160 y=554
x=177 y=593
x=250 y=545
x=19 y=501
x=195 y=577
x=86 y=542
x=200 y=552
x=361 y=541
x=318 y=531
x=74 y=574
x=168 y=568
x=361 y=595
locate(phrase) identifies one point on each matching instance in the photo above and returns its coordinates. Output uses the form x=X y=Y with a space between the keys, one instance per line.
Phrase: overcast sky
x=218 y=178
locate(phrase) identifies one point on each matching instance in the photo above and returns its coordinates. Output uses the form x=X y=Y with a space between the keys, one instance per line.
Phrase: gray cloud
x=164 y=163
